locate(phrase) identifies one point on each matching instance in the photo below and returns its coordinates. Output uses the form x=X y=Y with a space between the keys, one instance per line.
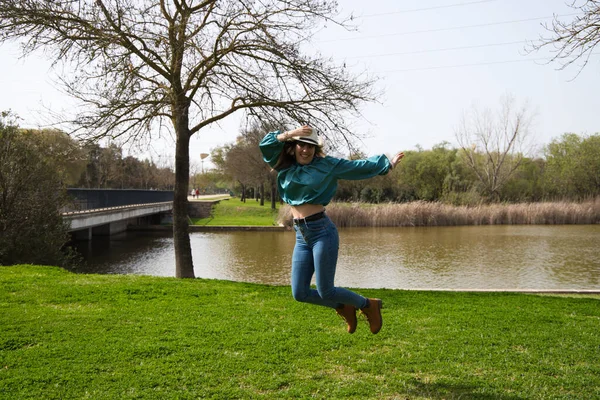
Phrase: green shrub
x=31 y=197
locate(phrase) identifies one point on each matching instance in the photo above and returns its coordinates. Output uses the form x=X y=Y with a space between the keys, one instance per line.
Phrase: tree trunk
x=274 y=194
x=243 y=198
x=262 y=194
x=184 y=266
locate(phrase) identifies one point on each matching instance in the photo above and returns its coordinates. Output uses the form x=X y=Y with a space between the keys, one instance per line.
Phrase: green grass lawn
x=233 y=212
x=69 y=336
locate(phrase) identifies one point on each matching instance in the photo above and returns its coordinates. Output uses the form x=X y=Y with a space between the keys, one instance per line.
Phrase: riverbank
x=422 y=213
x=233 y=212
x=112 y=336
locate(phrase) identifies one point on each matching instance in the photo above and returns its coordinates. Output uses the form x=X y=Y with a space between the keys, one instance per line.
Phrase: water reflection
x=474 y=257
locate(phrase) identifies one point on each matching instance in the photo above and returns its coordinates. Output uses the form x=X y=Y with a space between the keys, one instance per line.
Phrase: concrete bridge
x=111 y=220
x=104 y=212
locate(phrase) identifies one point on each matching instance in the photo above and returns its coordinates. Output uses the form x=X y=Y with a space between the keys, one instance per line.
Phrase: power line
x=424 y=9
x=469 y=65
x=465 y=65
x=450 y=28
x=439 y=50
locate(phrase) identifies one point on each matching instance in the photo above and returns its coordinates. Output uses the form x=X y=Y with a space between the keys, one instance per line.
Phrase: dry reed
x=421 y=213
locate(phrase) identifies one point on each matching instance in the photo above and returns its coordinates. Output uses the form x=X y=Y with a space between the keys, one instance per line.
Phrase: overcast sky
x=435 y=59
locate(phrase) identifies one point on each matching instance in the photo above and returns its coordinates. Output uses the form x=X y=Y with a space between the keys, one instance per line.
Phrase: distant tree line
x=567 y=169
x=106 y=167
x=89 y=165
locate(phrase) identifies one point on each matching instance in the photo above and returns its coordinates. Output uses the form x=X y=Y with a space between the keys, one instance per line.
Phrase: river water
x=518 y=257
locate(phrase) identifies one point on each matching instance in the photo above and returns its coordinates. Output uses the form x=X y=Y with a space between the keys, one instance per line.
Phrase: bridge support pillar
x=110 y=228
x=102 y=230
x=119 y=226
x=83 y=234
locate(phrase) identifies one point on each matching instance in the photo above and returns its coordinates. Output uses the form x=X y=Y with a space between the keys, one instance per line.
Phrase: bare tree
x=195 y=170
x=258 y=170
x=146 y=66
x=242 y=160
x=494 y=145
x=574 y=40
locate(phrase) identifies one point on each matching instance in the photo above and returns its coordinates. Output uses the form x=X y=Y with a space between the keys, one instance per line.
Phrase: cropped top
x=316 y=182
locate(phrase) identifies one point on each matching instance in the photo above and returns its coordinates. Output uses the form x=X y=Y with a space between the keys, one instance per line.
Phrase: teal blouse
x=316 y=183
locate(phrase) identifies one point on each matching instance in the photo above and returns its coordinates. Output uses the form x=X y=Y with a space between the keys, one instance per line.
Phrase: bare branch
x=495 y=147
x=572 y=41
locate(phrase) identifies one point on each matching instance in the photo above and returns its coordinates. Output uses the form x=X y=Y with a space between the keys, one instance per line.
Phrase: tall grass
x=422 y=213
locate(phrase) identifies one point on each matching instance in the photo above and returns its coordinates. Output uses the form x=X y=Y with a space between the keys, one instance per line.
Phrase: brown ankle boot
x=373 y=314
x=348 y=313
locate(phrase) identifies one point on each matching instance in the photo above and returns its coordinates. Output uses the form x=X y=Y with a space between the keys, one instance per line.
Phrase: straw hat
x=313 y=139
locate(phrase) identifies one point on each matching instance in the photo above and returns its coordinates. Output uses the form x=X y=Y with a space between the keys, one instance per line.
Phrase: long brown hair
x=287 y=157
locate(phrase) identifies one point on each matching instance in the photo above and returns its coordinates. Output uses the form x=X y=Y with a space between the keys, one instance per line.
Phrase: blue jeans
x=316 y=253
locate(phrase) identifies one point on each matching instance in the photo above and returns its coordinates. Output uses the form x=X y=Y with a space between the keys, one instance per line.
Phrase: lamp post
x=202 y=157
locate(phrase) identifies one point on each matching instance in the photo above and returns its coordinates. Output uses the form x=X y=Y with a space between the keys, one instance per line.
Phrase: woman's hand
x=305 y=130
x=396 y=160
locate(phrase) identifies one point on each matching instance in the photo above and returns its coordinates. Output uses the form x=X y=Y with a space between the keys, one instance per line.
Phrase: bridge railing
x=88 y=199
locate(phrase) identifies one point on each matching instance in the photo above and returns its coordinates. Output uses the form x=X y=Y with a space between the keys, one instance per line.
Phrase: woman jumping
x=307 y=181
